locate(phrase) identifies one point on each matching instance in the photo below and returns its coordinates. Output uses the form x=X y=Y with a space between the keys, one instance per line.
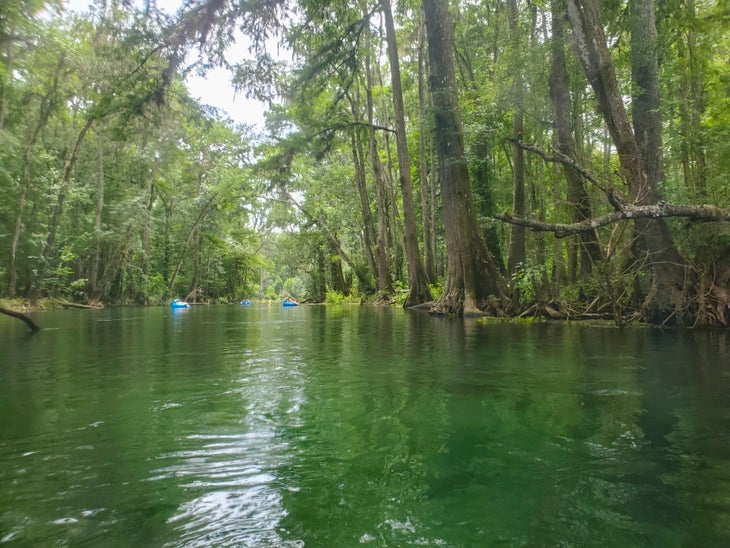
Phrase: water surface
x=347 y=426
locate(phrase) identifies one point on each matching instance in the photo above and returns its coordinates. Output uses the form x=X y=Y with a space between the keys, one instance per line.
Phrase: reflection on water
x=341 y=426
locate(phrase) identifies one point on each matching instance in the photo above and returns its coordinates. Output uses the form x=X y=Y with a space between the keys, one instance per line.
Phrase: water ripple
x=234 y=496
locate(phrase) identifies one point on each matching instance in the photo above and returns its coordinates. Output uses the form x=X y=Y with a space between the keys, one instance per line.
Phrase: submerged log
x=30 y=323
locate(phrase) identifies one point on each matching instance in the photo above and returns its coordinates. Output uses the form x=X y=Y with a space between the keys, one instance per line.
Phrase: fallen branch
x=561 y=230
x=30 y=323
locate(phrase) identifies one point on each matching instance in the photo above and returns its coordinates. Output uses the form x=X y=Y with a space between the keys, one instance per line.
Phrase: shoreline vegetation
x=547 y=313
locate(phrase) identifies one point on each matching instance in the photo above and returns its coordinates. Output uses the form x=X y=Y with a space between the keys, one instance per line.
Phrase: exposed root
x=450 y=304
x=713 y=296
x=383 y=299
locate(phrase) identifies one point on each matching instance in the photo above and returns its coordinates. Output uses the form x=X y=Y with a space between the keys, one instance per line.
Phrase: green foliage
x=77 y=290
x=707 y=247
x=335 y=297
x=271 y=293
x=437 y=289
x=571 y=293
x=58 y=278
x=527 y=279
x=400 y=293
x=155 y=288
x=294 y=287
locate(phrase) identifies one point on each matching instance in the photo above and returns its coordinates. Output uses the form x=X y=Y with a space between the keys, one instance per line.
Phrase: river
x=358 y=426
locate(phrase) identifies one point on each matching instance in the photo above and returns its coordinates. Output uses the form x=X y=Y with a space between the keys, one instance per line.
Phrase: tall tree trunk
x=426 y=182
x=151 y=193
x=395 y=242
x=335 y=270
x=318 y=283
x=395 y=239
x=94 y=269
x=168 y=206
x=146 y=253
x=481 y=166
x=560 y=275
x=358 y=156
x=385 y=284
x=667 y=298
x=471 y=277
x=417 y=280
x=7 y=72
x=63 y=190
x=692 y=105
x=433 y=178
x=18 y=226
x=638 y=150
x=578 y=199
x=538 y=203
x=517 y=254
x=195 y=271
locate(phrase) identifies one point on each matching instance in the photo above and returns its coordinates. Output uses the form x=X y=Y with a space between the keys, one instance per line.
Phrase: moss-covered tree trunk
x=472 y=280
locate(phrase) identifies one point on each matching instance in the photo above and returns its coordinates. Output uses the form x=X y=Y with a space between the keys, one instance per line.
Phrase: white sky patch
x=213 y=89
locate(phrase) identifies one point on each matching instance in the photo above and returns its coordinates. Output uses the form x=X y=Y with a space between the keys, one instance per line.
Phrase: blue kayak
x=246 y=303
x=287 y=302
x=177 y=303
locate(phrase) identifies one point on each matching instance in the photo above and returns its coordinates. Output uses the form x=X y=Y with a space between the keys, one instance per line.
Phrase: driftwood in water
x=76 y=305
x=30 y=323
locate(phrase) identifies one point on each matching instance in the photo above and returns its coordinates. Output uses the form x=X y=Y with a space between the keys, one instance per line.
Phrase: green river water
x=358 y=426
